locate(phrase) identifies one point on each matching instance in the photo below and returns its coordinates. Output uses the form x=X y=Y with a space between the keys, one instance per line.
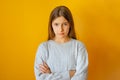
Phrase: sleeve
x=82 y=64
x=42 y=55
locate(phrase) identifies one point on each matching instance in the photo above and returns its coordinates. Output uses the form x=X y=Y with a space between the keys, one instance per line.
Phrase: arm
x=82 y=65
x=47 y=76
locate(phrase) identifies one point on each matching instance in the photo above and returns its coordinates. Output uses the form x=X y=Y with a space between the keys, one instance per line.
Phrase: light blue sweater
x=61 y=58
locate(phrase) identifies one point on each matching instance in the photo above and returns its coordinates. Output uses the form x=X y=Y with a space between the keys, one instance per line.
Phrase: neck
x=61 y=40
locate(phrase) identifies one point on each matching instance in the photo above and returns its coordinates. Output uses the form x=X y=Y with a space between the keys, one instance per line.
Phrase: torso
x=62 y=57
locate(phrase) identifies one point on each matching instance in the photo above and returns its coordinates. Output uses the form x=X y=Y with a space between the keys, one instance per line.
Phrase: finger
x=43 y=67
x=45 y=64
x=42 y=71
x=45 y=71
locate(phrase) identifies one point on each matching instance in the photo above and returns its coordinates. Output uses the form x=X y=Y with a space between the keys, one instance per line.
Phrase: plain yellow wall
x=23 y=26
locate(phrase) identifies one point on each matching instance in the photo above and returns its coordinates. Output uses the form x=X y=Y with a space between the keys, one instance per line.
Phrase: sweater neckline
x=62 y=43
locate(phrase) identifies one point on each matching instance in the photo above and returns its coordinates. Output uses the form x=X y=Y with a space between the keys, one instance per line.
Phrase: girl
x=62 y=57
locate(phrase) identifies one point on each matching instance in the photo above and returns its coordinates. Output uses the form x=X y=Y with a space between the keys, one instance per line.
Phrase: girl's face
x=60 y=27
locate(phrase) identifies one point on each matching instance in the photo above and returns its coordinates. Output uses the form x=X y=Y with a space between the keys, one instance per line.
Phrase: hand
x=72 y=72
x=44 y=68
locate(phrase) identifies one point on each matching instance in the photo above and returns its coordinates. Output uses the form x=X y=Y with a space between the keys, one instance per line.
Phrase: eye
x=65 y=24
x=56 y=24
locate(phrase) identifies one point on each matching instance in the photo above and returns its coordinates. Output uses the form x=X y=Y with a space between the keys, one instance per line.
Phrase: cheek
x=67 y=29
x=54 y=29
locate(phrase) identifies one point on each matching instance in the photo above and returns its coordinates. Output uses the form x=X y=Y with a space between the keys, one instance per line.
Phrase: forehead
x=60 y=19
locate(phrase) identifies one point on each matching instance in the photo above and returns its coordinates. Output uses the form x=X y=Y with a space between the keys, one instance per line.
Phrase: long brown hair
x=57 y=12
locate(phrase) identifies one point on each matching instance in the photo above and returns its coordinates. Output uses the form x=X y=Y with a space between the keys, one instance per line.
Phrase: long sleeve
x=82 y=64
x=43 y=55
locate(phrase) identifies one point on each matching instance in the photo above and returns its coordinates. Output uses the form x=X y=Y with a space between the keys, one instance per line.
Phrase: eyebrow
x=63 y=22
x=66 y=22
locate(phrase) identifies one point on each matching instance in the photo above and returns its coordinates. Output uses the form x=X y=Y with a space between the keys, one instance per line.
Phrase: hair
x=57 y=12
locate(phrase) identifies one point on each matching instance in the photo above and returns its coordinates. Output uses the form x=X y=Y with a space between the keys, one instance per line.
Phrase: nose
x=61 y=28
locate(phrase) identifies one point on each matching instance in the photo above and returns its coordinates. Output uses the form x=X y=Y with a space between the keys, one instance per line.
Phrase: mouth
x=61 y=33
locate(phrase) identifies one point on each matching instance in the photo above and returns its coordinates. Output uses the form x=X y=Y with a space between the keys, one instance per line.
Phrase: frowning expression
x=60 y=27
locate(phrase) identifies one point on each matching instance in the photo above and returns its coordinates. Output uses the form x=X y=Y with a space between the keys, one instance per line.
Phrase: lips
x=61 y=33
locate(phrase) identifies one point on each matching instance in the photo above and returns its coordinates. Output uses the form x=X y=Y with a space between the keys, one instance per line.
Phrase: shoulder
x=78 y=43
x=81 y=48
x=43 y=44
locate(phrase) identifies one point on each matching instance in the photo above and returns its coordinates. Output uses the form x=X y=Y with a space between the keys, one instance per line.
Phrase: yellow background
x=23 y=26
